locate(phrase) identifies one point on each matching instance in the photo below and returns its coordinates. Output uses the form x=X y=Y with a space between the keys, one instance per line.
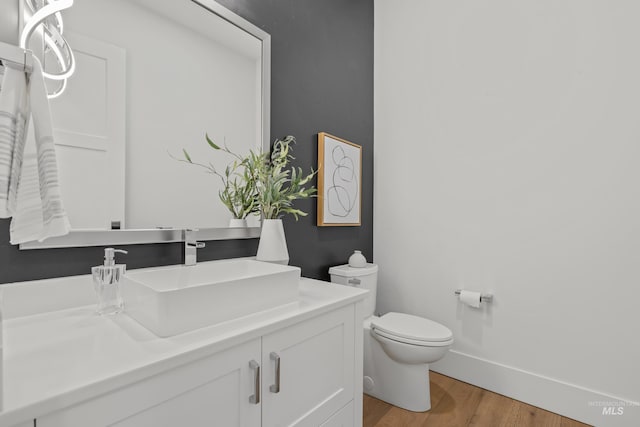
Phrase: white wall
x=9 y=21
x=507 y=160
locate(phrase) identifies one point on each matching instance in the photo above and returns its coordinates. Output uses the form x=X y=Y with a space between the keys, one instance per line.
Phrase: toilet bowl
x=398 y=347
x=396 y=363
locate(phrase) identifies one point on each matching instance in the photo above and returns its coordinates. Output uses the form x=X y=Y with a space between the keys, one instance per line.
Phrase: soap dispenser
x=106 y=279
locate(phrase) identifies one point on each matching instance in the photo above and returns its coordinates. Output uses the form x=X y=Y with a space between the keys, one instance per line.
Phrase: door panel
x=343 y=418
x=89 y=131
x=316 y=370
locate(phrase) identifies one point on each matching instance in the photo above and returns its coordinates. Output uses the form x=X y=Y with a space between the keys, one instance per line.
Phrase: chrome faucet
x=191 y=246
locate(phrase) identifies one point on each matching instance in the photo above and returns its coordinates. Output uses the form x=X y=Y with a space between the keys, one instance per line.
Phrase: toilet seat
x=409 y=329
x=408 y=341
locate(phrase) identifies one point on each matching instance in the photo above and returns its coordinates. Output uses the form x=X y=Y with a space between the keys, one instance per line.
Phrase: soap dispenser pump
x=106 y=279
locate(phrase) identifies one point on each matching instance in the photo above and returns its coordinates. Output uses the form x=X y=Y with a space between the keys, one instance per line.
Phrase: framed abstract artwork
x=339 y=181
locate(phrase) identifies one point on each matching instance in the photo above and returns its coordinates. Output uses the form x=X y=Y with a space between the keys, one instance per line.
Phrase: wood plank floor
x=458 y=404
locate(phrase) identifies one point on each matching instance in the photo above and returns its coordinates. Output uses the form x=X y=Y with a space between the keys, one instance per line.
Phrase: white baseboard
x=569 y=400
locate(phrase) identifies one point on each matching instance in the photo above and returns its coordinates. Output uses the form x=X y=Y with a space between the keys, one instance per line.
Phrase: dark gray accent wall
x=322 y=80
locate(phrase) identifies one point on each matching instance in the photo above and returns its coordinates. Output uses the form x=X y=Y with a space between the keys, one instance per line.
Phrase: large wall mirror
x=151 y=79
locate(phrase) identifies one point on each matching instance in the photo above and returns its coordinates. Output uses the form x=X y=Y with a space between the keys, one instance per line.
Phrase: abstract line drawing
x=339 y=181
x=343 y=192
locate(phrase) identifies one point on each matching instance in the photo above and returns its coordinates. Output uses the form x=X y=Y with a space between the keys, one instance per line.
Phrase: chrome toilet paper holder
x=483 y=297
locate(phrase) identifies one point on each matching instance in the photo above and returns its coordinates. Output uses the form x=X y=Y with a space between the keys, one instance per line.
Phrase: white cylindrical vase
x=237 y=223
x=273 y=244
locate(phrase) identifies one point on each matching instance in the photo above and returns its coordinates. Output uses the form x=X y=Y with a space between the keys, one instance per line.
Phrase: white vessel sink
x=173 y=300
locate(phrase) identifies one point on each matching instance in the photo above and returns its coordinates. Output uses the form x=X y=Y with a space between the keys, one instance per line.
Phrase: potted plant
x=278 y=186
x=239 y=191
x=263 y=182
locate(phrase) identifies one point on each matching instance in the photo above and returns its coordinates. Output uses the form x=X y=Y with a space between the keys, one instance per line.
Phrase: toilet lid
x=412 y=327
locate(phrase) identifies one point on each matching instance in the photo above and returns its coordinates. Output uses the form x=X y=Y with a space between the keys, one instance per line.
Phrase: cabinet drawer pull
x=275 y=388
x=255 y=398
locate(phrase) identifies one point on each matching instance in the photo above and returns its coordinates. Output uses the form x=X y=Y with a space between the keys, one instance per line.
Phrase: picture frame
x=339 y=181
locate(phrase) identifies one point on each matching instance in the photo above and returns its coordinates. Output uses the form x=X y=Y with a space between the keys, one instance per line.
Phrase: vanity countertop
x=55 y=359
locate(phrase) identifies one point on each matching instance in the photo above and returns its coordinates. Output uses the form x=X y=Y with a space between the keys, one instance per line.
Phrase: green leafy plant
x=239 y=190
x=279 y=186
x=261 y=182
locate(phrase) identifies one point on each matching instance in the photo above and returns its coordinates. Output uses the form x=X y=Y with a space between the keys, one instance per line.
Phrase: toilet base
x=415 y=399
x=403 y=385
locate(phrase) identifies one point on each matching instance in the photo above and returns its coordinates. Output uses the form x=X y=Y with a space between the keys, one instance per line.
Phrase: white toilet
x=398 y=347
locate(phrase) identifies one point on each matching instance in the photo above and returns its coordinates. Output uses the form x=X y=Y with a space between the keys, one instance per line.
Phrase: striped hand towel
x=14 y=122
x=39 y=212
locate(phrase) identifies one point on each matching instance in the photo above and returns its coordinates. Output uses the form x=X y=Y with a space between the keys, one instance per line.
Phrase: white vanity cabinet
x=213 y=391
x=306 y=377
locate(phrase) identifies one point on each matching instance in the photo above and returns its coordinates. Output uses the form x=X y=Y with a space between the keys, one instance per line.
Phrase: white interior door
x=89 y=128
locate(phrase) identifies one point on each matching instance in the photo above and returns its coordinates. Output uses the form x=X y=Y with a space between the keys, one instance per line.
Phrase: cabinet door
x=213 y=391
x=316 y=370
x=343 y=418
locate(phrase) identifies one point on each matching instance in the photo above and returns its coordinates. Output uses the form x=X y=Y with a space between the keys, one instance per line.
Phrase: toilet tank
x=363 y=277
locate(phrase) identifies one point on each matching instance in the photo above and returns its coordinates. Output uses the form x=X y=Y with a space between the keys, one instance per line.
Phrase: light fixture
x=49 y=18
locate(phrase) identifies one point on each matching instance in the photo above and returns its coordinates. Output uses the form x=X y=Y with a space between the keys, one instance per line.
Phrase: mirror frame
x=83 y=238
